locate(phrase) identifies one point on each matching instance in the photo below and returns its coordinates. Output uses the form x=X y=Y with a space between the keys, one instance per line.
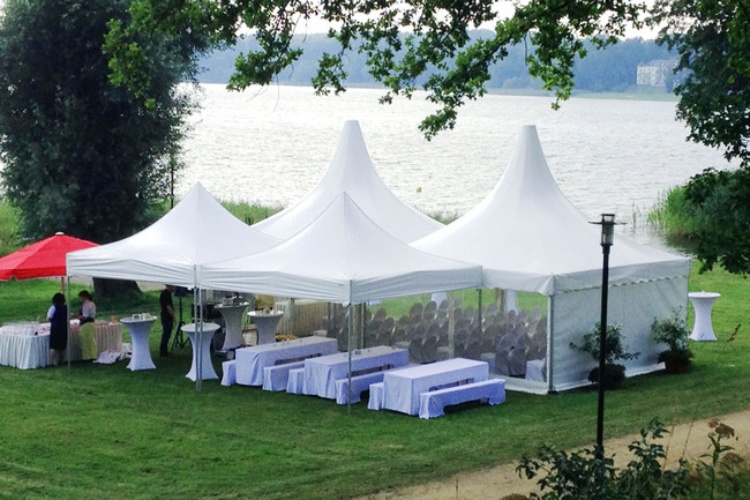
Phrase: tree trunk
x=108 y=289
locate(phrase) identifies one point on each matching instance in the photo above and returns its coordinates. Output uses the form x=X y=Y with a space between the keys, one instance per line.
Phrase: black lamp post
x=608 y=237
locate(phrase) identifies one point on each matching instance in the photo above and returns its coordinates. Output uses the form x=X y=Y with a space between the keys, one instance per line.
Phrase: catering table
x=322 y=373
x=25 y=350
x=232 y=315
x=252 y=360
x=203 y=350
x=702 y=304
x=108 y=338
x=401 y=388
x=139 y=329
x=266 y=325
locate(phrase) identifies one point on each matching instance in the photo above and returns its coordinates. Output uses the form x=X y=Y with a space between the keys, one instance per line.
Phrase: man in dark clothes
x=167 y=318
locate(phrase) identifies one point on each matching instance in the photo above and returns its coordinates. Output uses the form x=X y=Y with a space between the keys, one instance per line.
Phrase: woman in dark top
x=58 y=332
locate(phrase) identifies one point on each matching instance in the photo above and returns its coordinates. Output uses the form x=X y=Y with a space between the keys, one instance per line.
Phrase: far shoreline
x=633 y=93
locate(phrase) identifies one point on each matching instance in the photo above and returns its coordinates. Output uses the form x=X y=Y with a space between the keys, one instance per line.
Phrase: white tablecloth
x=266 y=324
x=703 y=330
x=108 y=338
x=252 y=360
x=32 y=351
x=401 y=388
x=24 y=351
x=201 y=351
x=139 y=331
x=322 y=373
x=232 y=315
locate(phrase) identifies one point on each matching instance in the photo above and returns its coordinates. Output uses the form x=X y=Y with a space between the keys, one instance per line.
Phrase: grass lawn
x=97 y=431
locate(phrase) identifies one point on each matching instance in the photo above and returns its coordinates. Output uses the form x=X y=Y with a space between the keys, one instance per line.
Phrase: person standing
x=58 y=332
x=167 y=318
x=87 y=313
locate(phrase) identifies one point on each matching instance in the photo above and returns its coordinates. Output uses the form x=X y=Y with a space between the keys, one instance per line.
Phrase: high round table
x=203 y=350
x=232 y=315
x=266 y=325
x=139 y=330
x=702 y=304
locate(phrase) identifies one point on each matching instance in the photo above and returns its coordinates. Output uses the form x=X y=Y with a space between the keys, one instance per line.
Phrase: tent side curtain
x=633 y=306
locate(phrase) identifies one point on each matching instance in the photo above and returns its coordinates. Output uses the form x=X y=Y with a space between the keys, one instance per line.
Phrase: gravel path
x=688 y=441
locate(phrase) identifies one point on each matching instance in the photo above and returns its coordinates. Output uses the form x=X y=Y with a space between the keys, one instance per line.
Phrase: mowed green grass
x=103 y=431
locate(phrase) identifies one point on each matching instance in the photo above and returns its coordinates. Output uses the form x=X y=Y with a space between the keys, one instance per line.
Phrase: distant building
x=656 y=73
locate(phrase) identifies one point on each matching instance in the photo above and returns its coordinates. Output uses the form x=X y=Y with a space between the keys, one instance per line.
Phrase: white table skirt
x=232 y=315
x=252 y=360
x=703 y=302
x=322 y=373
x=139 y=331
x=26 y=352
x=401 y=388
x=201 y=351
x=266 y=323
x=32 y=351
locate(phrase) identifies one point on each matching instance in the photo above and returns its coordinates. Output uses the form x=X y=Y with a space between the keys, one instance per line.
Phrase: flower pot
x=676 y=366
x=614 y=376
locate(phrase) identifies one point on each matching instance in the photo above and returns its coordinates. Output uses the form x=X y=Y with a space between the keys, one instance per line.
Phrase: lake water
x=272 y=146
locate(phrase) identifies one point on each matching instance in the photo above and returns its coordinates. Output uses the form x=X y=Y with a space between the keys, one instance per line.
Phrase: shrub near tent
x=674 y=333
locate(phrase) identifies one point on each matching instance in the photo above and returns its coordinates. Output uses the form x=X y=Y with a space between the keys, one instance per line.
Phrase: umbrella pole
x=67 y=322
x=62 y=284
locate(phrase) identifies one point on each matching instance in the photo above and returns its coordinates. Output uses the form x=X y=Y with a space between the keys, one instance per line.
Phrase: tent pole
x=197 y=349
x=351 y=325
x=451 y=327
x=196 y=314
x=479 y=309
x=550 y=343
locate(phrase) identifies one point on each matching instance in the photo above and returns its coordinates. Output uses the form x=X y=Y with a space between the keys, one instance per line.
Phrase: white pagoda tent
x=529 y=237
x=196 y=231
x=352 y=172
x=341 y=256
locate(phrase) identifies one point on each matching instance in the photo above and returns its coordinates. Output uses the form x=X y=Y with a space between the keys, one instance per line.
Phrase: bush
x=674 y=333
x=583 y=475
x=614 y=373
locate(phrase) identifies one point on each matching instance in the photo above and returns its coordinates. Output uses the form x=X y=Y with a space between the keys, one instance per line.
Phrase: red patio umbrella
x=43 y=259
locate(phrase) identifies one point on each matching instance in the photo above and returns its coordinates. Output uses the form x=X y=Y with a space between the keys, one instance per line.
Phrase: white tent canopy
x=342 y=256
x=196 y=231
x=529 y=237
x=352 y=172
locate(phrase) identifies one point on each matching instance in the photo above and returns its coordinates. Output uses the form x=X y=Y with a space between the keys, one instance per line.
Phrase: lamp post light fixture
x=608 y=236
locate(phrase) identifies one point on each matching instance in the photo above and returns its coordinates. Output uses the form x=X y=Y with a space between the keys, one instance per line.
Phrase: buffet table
x=322 y=373
x=252 y=360
x=26 y=345
x=26 y=352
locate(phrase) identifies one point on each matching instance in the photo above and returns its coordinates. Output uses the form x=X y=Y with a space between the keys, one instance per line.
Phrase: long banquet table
x=250 y=361
x=401 y=388
x=322 y=373
x=28 y=352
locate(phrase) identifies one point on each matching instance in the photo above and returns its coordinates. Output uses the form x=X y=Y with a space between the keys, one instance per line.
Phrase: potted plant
x=674 y=333
x=614 y=373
